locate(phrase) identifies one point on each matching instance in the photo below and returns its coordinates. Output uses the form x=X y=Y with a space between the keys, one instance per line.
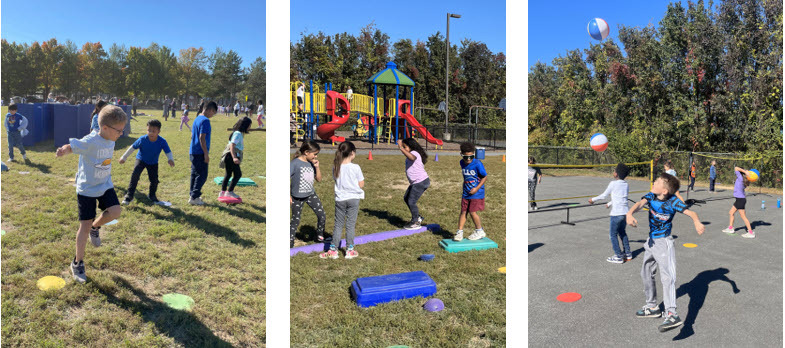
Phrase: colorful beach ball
x=598 y=29
x=754 y=175
x=598 y=142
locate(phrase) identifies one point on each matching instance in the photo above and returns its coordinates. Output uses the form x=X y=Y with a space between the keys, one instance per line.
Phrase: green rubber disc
x=178 y=301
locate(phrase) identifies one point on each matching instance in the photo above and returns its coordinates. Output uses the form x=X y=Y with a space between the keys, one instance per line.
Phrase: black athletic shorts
x=740 y=203
x=87 y=204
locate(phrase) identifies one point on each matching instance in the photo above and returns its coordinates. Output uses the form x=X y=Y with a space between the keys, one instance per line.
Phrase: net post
x=568 y=219
x=651 y=174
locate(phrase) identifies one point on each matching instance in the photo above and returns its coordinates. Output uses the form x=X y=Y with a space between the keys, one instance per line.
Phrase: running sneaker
x=127 y=200
x=330 y=254
x=671 y=321
x=77 y=271
x=221 y=194
x=458 y=236
x=232 y=194
x=627 y=257
x=615 y=259
x=749 y=234
x=412 y=226
x=729 y=230
x=95 y=236
x=351 y=253
x=647 y=312
x=478 y=234
x=196 y=201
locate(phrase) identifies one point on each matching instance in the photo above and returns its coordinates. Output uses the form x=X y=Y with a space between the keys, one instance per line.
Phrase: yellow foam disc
x=50 y=283
x=503 y=269
x=690 y=245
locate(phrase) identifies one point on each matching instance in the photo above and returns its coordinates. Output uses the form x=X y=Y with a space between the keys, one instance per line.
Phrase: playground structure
x=378 y=119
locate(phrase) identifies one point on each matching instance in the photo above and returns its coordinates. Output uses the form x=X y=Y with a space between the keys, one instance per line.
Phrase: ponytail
x=344 y=150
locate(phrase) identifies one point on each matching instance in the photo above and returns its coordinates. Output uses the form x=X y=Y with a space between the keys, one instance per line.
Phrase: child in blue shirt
x=473 y=197
x=200 y=151
x=94 y=181
x=150 y=147
x=660 y=252
x=14 y=124
x=712 y=175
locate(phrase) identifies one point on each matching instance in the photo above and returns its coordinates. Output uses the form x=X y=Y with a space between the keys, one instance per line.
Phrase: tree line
x=148 y=72
x=477 y=75
x=708 y=78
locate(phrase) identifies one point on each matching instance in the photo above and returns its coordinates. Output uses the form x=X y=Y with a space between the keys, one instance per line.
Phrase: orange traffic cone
x=504 y=158
x=370 y=155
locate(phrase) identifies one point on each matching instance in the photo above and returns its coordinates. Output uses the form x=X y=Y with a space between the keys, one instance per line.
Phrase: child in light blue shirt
x=619 y=190
x=232 y=156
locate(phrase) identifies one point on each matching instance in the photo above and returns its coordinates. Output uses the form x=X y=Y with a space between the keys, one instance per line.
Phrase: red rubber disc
x=569 y=297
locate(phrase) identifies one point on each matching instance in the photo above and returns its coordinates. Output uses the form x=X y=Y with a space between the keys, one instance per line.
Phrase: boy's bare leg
x=476 y=220
x=108 y=215
x=81 y=238
x=462 y=220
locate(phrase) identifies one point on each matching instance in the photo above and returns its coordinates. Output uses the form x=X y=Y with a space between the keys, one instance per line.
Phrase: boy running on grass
x=660 y=252
x=473 y=197
x=94 y=181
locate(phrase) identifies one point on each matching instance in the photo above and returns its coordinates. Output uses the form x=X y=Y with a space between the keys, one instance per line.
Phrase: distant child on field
x=303 y=170
x=618 y=189
x=693 y=171
x=473 y=197
x=184 y=119
x=712 y=175
x=741 y=201
x=232 y=156
x=200 y=152
x=419 y=181
x=94 y=127
x=260 y=115
x=349 y=183
x=94 y=181
x=535 y=177
x=150 y=147
x=14 y=125
x=660 y=254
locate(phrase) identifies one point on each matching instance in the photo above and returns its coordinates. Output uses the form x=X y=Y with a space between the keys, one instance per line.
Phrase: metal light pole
x=447 y=76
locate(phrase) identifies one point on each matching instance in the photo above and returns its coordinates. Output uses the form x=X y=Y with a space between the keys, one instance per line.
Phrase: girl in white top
x=260 y=115
x=349 y=183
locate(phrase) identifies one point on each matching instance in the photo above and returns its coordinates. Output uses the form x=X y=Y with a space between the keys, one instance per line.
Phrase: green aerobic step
x=465 y=245
x=243 y=181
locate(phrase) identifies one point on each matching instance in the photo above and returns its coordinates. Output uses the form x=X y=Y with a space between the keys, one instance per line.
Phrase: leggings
x=184 y=121
x=345 y=215
x=532 y=188
x=413 y=194
x=232 y=171
x=259 y=119
x=297 y=208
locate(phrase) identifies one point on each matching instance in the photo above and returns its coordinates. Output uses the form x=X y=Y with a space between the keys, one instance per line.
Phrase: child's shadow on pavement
x=697 y=289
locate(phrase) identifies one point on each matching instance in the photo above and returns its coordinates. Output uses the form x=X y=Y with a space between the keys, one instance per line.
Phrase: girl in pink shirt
x=416 y=158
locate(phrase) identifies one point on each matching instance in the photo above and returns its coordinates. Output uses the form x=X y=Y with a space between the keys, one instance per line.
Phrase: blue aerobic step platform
x=370 y=291
x=465 y=245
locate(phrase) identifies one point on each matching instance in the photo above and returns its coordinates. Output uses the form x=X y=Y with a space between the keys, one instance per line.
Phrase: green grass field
x=473 y=291
x=214 y=253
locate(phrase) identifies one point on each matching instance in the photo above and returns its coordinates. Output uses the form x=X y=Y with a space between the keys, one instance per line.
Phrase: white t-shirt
x=347 y=185
x=301 y=91
x=260 y=109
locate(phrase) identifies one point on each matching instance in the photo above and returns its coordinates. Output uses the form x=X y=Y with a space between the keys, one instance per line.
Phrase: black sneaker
x=412 y=226
x=154 y=199
x=647 y=312
x=671 y=321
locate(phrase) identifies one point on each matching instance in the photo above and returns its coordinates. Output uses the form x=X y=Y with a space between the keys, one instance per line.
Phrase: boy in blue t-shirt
x=473 y=197
x=94 y=181
x=14 y=128
x=150 y=147
x=660 y=252
x=200 y=152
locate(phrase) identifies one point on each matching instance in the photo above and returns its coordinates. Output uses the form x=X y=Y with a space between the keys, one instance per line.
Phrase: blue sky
x=176 y=24
x=481 y=20
x=556 y=26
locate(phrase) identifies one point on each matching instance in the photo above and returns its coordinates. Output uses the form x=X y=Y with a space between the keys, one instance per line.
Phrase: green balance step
x=243 y=181
x=465 y=245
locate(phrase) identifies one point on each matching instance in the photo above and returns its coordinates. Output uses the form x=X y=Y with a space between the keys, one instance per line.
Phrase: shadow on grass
x=385 y=215
x=207 y=226
x=697 y=289
x=181 y=326
x=43 y=168
x=534 y=246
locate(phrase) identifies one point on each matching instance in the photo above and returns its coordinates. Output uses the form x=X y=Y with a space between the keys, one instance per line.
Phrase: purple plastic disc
x=433 y=305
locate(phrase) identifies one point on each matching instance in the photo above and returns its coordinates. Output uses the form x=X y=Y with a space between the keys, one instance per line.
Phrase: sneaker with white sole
x=412 y=226
x=478 y=234
x=196 y=201
x=420 y=219
x=77 y=271
x=351 y=253
x=221 y=194
x=749 y=234
x=95 y=236
x=729 y=230
x=127 y=200
x=627 y=257
x=232 y=194
x=330 y=254
x=458 y=236
x=647 y=312
x=671 y=321
x=615 y=259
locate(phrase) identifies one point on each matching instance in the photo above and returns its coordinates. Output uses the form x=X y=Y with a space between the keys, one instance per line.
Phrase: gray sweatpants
x=661 y=254
x=345 y=215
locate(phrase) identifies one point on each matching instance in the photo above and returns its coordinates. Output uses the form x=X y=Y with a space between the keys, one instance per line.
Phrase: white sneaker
x=196 y=201
x=458 y=236
x=749 y=234
x=478 y=234
x=232 y=194
x=222 y=194
x=729 y=230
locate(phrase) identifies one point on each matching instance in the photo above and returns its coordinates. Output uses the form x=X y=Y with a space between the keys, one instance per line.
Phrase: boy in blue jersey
x=200 y=151
x=150 y=147
x=473 y=197
x=660 y=253
x=94 y=181
x=14 y=127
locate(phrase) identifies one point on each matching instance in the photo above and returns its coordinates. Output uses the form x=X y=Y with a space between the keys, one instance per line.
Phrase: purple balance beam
x=374 y=237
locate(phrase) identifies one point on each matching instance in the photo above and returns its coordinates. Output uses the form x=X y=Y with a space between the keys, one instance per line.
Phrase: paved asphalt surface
x=565 y=258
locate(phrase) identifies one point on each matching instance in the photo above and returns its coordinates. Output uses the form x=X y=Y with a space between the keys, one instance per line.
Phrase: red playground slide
x=332 y=101
x=403 y=107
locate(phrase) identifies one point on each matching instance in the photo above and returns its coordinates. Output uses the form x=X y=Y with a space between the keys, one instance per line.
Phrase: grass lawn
x=322 y=312
x=214 y=253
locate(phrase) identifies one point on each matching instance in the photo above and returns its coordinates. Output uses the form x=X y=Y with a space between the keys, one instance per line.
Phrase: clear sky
x=176 y=24
x=556 y=26
x=413 y=19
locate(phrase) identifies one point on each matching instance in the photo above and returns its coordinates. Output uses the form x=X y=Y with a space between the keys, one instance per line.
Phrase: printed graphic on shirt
x=103 y=167
x=306 y=180
x=661 y=214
